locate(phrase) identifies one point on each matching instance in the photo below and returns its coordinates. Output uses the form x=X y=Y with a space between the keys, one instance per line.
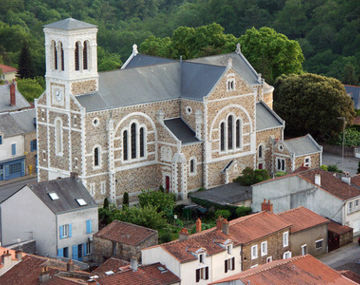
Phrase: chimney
x=183 y=234
x=44 y=275
x=73 y=175
x=267 y=206
x=346 y=178
x=225 y=226
x=318 y=179
x=133 y=263
x=70 y=266
x=18 y=255
x=219 y=223
x=6 y=259
x=12 y=93
x=198 y=225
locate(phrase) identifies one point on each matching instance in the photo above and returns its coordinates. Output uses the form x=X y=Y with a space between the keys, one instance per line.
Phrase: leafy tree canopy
x=250 y=176
x=30 y=88
x=311 y=103
x=271 y=53
x=161 y=201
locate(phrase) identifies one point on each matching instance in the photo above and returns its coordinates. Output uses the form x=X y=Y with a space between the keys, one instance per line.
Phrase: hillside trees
x=311 y=103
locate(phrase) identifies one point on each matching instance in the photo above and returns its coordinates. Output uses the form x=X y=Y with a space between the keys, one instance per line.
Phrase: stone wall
x=30 y=156
x=314 y=158
x=194 y=181
x=263 y=138
x=83 y=87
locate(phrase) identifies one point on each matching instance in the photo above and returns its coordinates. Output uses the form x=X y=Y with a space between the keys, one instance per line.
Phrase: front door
x=167 y=183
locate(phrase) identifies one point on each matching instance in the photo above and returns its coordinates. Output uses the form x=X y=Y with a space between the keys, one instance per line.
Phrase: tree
x=251 y=176
x=164 y=202
x=26 y=68
x=30 y=88
x=271 y=53
x=311 y=103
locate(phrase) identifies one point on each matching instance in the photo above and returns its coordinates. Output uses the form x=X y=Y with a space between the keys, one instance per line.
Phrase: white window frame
x=304 y=252
x=350 y=207
x=262 y=151
x=201 y=256
x=282 y=164
x=229 y=86
x=285 y=239
x=195 y=166
x=287 y=254
x=103 y=187
x=241 y=134
x=92 y=189
x=264 y=248
x=229 y=248
x=95 y=122
x=138 y=126
x=99 y=159
x=307 y=164
x=65 y=231
x=254 y=251
x=268 y=259
x=319 y=240
x=188 y=110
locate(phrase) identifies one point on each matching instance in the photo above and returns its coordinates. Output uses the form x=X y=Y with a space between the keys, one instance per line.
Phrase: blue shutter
x=75 y=252
x=88 y=227
x=70 y=230
x=61 y=232
x=0 y=139
x=60 y=252
x=84 y=250
x=13 y=149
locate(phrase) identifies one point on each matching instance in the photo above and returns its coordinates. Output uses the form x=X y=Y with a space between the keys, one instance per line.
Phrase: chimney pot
x=12 y=94
x=18 y=254
x=318 y=179
x=198 y=225
x=225 y=226
x=184 y=234
x=44 y=275
x=219 y=222
x=70 y=266
x=134 y=263
x=267 y=206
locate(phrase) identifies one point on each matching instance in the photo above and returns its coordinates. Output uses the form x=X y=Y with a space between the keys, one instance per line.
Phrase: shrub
x=106 y=203
x=162 y=201
x=280 y=173
x=30 y=88
x=223 y=213
x=324 y=167
x=334 y=168
x=126 y=199
x=164 y=236
x=243 y=211
x=251 y=176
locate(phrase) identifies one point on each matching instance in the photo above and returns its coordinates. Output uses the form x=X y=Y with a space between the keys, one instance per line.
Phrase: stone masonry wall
x=30 y=156
x=314 y=158
x=194 y=181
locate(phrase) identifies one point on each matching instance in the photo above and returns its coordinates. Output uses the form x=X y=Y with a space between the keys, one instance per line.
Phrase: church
x=180 y=124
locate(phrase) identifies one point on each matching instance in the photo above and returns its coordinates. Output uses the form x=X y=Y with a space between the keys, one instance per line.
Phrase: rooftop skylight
x=53 y=196
x=81 y=202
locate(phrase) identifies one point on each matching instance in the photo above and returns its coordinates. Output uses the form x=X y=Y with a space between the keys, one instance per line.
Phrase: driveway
x=350 y=163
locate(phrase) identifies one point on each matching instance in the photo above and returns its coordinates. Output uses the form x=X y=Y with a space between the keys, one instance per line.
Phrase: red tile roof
x=331 y=184
x=241 y=231
x=145 y=275
x=338 y=229
x=111 y=263
x=125 y=233
x=302 y=219
x=300 y=270
x=6 y=68
x=351 y=275
x=356 y=180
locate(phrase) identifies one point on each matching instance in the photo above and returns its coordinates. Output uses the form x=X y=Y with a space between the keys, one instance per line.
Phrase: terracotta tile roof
x=6 y=68
x=338 y=229
x=241 y=231
x=351 y=275
x=302 y=218
x=111 y=263
x=331 y=184
x=145 y=275
x=356 y=180
x=56 y=280
x=125 y=233
x=300 y=270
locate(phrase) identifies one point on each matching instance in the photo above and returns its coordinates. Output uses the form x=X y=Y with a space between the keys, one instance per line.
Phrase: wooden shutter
x=61 y=235
x=226 y=266
x=70 y=230
x=206 y=272
x=197 y=275
x=233 y=263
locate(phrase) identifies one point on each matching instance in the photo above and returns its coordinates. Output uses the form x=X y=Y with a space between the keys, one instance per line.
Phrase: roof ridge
x=208 y=64
x=137 y=67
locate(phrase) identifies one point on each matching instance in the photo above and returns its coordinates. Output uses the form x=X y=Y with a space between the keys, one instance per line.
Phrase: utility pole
x=343 y=141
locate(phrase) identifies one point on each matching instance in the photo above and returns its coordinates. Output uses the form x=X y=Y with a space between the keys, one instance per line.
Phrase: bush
x=243 y=211
x=334 y=168
x=280 y=173
x=223 y=213
x=324 y=167
x=164 y=236
x=164 y=202
x=126 y=199
x=30 y=88
x=106 y=203
x=250 y=176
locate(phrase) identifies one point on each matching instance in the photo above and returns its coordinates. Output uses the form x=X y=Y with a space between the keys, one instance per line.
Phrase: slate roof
x=354 y=92
x=266 y=118
x=125 y=233
x=232 y=193
x=69 y=24
x=8 y=190
x=302 y=219
x=304 y=270
x=302 y=145
x=181 y=130
x=8 y=126
x=25 y=119
x=7 y=69
x=241 y=231
x=68 y=190
x=145 y=60
x=5 y=100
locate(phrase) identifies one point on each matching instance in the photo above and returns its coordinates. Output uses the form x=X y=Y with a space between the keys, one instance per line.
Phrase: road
x=350 y=163
x=6 y=190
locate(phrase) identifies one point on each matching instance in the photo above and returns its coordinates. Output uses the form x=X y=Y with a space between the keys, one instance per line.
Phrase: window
x=142 y=143
x=33 y=145
x=285 y=239
x=103 y=187
x=304 y=249
x=229 y=248
x=77 y=56
x=125 y=145
x=192 y=166
x=268 y=259
x=202 y=273
x=62 y=56
x=319 y=244
x=254 y=251
x=85 y=55
x=349 y=207
x=53 y=196
x=230 y=84
x=55 y=55
x=95 y=122
x=88 y=227
x=230 y=132
x=92 y=189
x=88 y=248
x=238 y=133
x=66 y=252
x=222 y=136
x=188 y=110
x=65 y=231
x=260 y=151
x=133 y=140
x=13 y=149
x=280 y=164
x=97 y=156
x=80 y=250
x=15 y=168
x=307 y=161
x=264 y=248
x=81 y=202
x=356 y=202
x=0 y=139
x=202 y=258
x=287 y=254
x=229 y=264
x=58 y=137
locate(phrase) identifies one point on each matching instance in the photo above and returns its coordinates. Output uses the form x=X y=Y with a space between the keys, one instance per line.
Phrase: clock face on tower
x=58 y=95
x=57 y=91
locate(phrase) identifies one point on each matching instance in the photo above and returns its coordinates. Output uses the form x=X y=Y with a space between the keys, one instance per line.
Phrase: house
x=304 y=270
x=59 y=215
x=354 y=92
x=11 y=99
x=122 y=240
x=18 y=144
x=325 y=193
x=157 y=121
x=114 y=272
x=7 y=73
x=228 y=248
x=308 y=233
x=338 y=235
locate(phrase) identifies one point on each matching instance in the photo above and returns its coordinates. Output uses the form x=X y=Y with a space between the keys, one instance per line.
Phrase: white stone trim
x=59 y=144
x=226 y=157
x=231 y=97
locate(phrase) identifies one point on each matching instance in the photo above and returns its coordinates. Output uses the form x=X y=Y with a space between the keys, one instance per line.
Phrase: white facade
x=6 y=147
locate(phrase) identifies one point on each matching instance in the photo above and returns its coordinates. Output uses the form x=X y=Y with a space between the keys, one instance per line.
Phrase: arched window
x=192 y=166
x=55 y=54
x=222 y=136
x=238 y=133
x=62 y=56
x=58 y=137
x=142 y=142
x=230 y=132
x=77 y=56
x=97 y=156
x=85 y=55
x=125 y=145
x=260 y=151
x=133 y=140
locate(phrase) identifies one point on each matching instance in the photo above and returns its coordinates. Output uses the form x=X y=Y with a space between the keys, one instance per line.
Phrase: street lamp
x=343 y=140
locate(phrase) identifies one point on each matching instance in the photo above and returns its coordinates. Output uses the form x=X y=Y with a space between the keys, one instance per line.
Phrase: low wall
x=337 y=149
